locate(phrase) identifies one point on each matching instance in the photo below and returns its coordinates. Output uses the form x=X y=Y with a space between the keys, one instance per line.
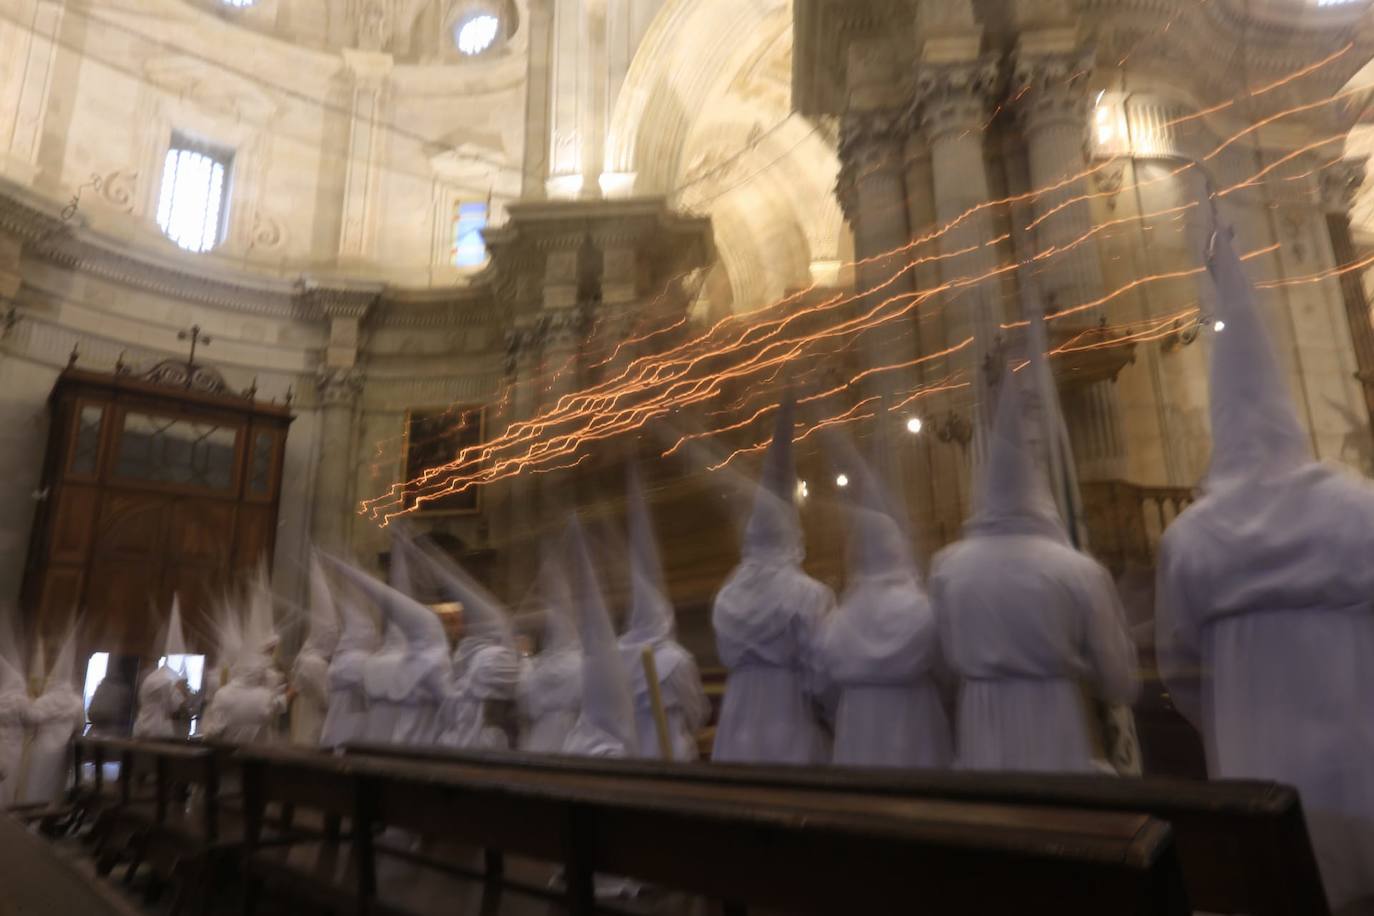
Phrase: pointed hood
x=651 y=612
x=1056 y=450
x=1013 y=494
x=607 y=704
x=11 y=667
x=408 y=622
x=37 y=665
x=486 y=621
x=63 y=674
x=358 y=632
x=1255 y=430
x=324 y=614
x=261 y=634
x=773 y=532
x=175 y=641
x=398 y=562
x=560 y=627
x=878 y=544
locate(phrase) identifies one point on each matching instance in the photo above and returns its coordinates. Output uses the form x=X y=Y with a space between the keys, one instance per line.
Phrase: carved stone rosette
x=1051 y=89
x=955 y=96
x=339 y=387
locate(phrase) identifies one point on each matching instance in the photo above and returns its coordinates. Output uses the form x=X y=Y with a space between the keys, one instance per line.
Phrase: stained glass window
x=469 y=248
x=190 y=208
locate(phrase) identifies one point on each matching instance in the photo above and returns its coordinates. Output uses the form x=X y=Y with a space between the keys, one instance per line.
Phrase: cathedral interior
x=287 y=275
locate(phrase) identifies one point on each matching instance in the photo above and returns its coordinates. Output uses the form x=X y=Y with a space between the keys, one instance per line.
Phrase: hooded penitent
x=408 y=677
x=162 y=693
x=606 y=724
x=346 y=719
x=1264 y=617
x=1025 y=619
x=246 y=709
x=310 y=671
x=651 y=626
x=55 y=717
x=766 y=617
x=880 y=648
x=486 y=667
x=14 y=706
x=550 y=693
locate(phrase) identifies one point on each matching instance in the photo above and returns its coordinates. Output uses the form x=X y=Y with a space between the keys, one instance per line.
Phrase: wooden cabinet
x=153 y=485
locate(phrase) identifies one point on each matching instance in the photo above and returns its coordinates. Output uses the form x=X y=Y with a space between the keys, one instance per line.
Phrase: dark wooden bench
x=764 y=846
x=1243 y=846
x=36 y=878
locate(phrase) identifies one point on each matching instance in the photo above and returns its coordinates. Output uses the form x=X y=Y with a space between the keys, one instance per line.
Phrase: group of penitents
x=1264 y=621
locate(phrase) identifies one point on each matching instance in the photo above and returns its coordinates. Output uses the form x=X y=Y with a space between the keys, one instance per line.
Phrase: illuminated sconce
x=802 y=491
x=842 y=480
x=1109 y=135
x=914 y=425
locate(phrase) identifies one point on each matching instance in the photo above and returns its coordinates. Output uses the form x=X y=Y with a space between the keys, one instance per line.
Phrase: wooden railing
x=1125 y=521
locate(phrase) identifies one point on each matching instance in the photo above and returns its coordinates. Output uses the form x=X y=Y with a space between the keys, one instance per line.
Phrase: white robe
x=158 y=702
x=1265 y=639
x=55 y=718
x=881 y=650
x=310 y=678
x=13 y=712
x=684 y=700
x=244 y=712
x=550 y=698
x=1025 y=621
x=490 y=674
x=403 y=695
x=346 y=717
x=766 y=618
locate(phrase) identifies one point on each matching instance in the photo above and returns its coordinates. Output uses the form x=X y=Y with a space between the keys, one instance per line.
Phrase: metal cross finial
x=197 y=337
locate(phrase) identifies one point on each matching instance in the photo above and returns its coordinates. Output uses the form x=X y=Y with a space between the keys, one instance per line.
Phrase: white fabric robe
x=54 y=719
x=310 y=678
x=1024 y=621
x=403 y=695
x=766 y=618
x=550 y=698
x=1265 y=639
x=490 y=674
x=684 y=699
x=158 y=702
x=881 y=649
x=14 y=708
x=346 y=717
x=244 y=711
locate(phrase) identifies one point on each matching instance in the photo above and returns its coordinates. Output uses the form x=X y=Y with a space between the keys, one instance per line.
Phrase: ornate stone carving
x=175 y=373
x=338 y=386
x=267 y=233
x=870 y=142
x=955 y=96
x=352 y=301
x=374 y=25
x=552 y=329
x=1051 y=88
x=1340 y=182
x=119 y=189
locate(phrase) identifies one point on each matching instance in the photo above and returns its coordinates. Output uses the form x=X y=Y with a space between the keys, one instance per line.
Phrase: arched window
x=469 y=248
x=191 y=207
x=238 y=3
x=475 y=33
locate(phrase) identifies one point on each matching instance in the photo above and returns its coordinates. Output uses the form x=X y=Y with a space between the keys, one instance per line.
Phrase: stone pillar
x=29 y=97
x=366 y=140
x=1050 y=80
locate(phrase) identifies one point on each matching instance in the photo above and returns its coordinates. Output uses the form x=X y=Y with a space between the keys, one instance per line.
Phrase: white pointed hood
x=486 y=622
x=607 y=719
x=651 y=612
x=1013 y=495
x=11 y=668
x=560 y=627
x=358 y=632
x=878 y=543
x=175 y=643
x=773 y=532
x=37 y=665
x=63 y=674
x=260 y=635
x=1255 y=430
x=324 y=636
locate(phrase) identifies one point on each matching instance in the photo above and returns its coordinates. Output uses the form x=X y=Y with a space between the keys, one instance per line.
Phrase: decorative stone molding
x=176 y=373
x=1052 y=88
x=339 y=386
x=1340 y=182
x=551 y=329
x=955 y=96
x=354 y=300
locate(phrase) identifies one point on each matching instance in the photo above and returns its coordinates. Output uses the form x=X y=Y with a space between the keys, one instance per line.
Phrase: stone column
x=366 y=141
x=1050 y=80
x=29 y=97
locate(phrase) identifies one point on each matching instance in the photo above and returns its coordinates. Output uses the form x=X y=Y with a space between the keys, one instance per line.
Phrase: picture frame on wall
x=435 y=436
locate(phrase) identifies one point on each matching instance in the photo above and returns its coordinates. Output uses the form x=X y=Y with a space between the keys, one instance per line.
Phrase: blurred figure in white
x=652 y=626
x=767 y=617
x=1026 y=621
x=55 y=718
x=162 y=695
x=550 y=693
x=245 y=710
x=1265 y=601
x=310 y=671
x=346 y=719
x=14 y=707
x=880 y=647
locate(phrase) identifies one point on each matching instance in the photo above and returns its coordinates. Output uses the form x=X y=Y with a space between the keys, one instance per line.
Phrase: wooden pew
x=1243 y=846
x=770 y=847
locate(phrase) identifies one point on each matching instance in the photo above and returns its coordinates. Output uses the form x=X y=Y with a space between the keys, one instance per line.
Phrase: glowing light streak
x=1270 y=87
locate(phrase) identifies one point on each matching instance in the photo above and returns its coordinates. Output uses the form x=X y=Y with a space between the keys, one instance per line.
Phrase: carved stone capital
x=339 y=386
x=1340 y=182
x=870 y=142
x=552 y=329
x=955 y=96
x=1051 y=88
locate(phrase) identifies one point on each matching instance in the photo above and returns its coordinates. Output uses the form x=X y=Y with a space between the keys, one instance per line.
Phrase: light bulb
x=842 y=480
x=913 y=425
x=1218 y=326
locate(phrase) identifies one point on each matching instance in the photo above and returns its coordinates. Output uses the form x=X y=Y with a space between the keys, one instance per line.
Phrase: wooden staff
x=665 y=743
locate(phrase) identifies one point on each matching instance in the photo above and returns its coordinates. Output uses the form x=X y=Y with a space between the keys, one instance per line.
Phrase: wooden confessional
x=154 y=483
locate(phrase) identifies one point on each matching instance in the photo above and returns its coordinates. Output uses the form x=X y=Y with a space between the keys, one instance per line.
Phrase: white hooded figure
x=479 y=707
x=408 y=677
x=880 y=647
x=651 y=626
x=58 y=715
x=246 y=708
x=1026 y=621
x=1265 y=601
x=550 y=692
x=605 y=724
x=310 y=671
x=346 y=718
x=767 y=617
x=162 y=695
x=14 y=707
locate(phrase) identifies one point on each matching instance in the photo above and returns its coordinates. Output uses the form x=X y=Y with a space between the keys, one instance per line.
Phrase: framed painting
x=436 y=436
